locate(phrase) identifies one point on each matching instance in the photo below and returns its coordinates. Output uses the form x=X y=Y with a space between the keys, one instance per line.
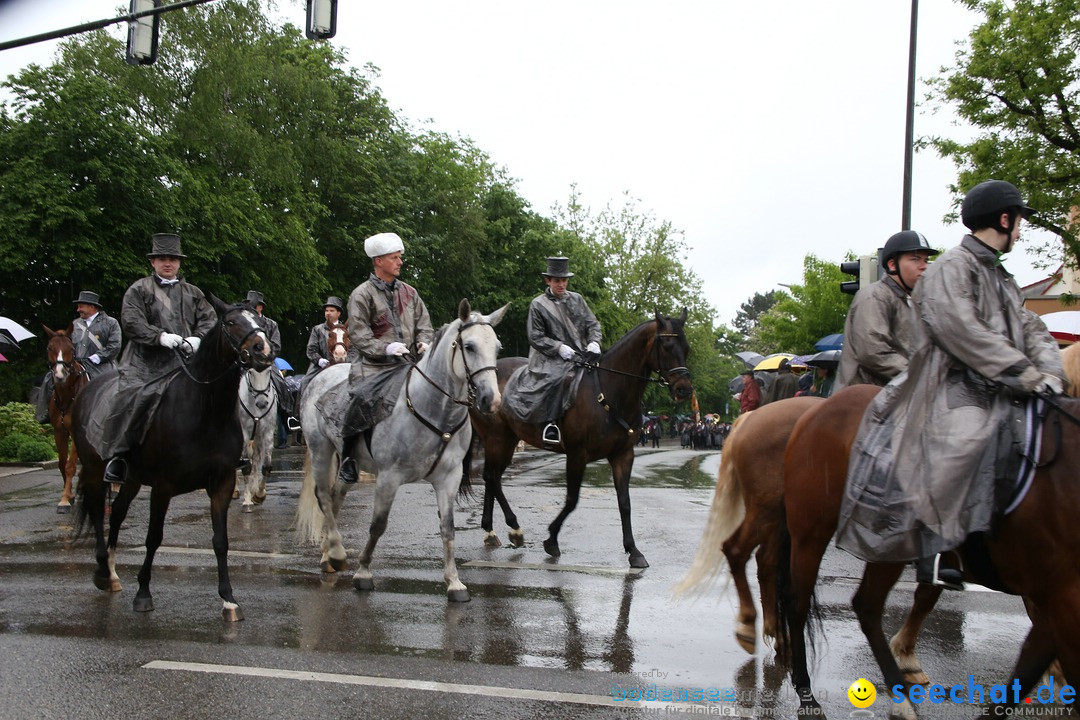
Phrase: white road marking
x=550 y=566
x=433 y=686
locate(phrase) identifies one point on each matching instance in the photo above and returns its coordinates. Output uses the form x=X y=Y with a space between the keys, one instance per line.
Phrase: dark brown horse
x=604 y=422
x=1023 y=549
x=69 y=379
x=192 y=443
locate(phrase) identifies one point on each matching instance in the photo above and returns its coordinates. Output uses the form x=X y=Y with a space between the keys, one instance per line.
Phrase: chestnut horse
x=192 y=443
x=604 y=422
x=1020 y=550
x=337 y=342
x=69 y=379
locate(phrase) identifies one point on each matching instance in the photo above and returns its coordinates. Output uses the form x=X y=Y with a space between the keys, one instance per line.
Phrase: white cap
x=383 y=244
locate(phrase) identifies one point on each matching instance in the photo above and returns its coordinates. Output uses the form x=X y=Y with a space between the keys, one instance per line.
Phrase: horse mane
x=632 y=335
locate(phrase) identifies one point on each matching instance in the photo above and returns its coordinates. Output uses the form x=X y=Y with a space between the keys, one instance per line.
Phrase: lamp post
x=909 y=134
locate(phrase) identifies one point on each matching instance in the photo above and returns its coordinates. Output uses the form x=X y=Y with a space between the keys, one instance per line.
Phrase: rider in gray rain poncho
x=942 y=437
x=560 y=326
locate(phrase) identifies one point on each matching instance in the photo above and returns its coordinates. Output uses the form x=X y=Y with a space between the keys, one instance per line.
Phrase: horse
x=337 y=342
x=1017 y=556
x=191 y=443
x=604 y=422
x=424 y=438
x=69 y=378
x=256 y=407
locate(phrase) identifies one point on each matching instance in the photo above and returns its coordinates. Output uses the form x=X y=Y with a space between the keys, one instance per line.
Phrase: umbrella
x=17 y=332
x=1064 y=325
x=5 y=340
x=827 y=359
x=800 y=360
x=750 y=358
x=830 y=342
x=772 y=362
x=3 y=359
x=282 y=364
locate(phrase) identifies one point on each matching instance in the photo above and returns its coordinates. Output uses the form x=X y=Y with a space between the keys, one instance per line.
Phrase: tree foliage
x=814 y=309
x=1017 y=82
x=750 y=312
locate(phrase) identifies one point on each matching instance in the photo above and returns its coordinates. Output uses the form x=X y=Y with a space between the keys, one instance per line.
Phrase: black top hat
x=254 y=297
x=88 y=298
x=334 y=301
x=165 y=245
x=558 y=267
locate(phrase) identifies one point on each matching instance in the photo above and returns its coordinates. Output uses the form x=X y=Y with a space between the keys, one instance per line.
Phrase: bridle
x=76 y=370
x=267 y=392
x=243 y=355
x=447 y=435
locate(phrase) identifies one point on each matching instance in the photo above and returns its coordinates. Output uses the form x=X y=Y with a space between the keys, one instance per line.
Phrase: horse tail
x=1070 y=358
x=465 y=489
x=785 y=602
x=725 y=514
x=309 y=515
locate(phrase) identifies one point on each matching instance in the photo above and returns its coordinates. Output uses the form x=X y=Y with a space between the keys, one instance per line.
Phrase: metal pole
x=909 y=134
x=98 y=24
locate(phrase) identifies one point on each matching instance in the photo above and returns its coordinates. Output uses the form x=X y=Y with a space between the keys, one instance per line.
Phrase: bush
x=18 y=418
x=17 y=447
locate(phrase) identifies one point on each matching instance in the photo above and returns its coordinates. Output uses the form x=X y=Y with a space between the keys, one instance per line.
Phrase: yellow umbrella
x=772 y=362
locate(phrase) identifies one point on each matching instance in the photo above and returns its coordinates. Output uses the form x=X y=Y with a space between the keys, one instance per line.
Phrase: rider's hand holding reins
x=95 y=358
x=396 y=349
x=1050 y=385
x=566 y=352
x=170 y=340
x=191 y=345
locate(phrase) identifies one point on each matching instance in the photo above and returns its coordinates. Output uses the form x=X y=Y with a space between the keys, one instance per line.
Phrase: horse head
x=670 y=351
x=61 y=355
x=338 y=342
x=240 y=337
x=480 y=347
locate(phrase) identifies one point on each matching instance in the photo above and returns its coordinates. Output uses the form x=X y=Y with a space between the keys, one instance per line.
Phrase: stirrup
x=552 y=434
x=292 y=424
x=116 y=470
x=347 y=472
x=929 y=571
x=244 y=465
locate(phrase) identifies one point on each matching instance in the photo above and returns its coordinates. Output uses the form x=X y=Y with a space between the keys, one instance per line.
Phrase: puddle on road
x=688 y=475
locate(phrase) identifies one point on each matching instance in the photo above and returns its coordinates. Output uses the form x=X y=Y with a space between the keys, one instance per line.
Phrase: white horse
x=424 y=438
x=256 y=407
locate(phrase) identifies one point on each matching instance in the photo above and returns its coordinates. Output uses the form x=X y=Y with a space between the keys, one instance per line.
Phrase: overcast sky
x=763 y=130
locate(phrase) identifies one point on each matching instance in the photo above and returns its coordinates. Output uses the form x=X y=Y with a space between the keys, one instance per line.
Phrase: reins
x=258 y=393
x=243 y=357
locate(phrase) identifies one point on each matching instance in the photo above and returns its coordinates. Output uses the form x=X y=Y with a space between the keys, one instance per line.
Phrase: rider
x=318 y=344
x=941 y=436
x=560 y=325
x=97 y=339
x=878 y=329
x=163 y=316
x=388 y=320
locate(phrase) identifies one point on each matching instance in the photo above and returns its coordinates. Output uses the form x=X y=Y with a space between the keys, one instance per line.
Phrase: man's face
x=85 y=310
x=557 y=285
x=911 y=266
x=388 y=266
x=332 y=314
x=259 y=308
x=166 y=266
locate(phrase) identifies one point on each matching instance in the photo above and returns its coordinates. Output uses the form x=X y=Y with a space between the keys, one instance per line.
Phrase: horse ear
x=48 y=330
x=220 y=306
x=464 y=310
x=496 y=317
x=683 y=316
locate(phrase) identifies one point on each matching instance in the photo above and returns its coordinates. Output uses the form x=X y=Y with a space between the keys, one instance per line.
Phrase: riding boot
x=347 y=473
x=928 y=570
x=116 y=470
x=552 y=435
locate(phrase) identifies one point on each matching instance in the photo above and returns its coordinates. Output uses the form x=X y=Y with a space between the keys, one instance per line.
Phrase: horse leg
x=159 y=505
x=93 y=505
x=220 y=497
x=575 y=473
x=498 y=452
x=737 y=551
x=621 y=465
x=903 y=642
x=329 y=496
x=60 y=437
x=869 y=603
x=444 y=494
x=385 y=490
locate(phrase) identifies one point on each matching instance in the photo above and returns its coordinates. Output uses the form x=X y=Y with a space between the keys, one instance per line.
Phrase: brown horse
x=1018 y=557
x=337 y=342
x=68 y=379
x=604 y=422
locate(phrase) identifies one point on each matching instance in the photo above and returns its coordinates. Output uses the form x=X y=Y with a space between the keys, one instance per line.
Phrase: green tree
x=813 y=309
x=750 y=312
x=1016 y=81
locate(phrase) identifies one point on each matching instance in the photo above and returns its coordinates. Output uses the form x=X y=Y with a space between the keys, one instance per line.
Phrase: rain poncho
x=150 y=308
x=877 y=335
x=544 y=389
x=937 y=440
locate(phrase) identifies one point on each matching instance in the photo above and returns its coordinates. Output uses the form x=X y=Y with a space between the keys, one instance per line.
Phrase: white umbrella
x=17 y=332
x=1064 y=325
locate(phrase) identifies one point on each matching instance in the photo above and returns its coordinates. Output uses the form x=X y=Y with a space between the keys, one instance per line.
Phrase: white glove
x=593 y=348
x=95 y=358
x=422 y=347
x=1031 y=379
x=1051 y=385
x=170 y=340
x=193 y=343
x=566 y=352
x=396 y=348
x=323 y=362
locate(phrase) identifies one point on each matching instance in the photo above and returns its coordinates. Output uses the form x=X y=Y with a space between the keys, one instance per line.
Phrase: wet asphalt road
x=540 y=637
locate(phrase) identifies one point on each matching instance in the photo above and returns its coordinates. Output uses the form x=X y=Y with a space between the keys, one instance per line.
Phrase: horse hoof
x=232 y=614
x=492 y=540
x=143 y=604
x=102 y=583
x=517 y=538
x=63 y=509
x=638 y=561
x=327 y=567
x=338 y=564
x=551 y=547
x=363 y=584
x=259 y=499
x=747 y=638
x=458 y=596
x=247 y=508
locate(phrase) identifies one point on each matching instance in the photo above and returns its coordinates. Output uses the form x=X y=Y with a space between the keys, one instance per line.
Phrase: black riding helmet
x=902 y=242
x=984 y=203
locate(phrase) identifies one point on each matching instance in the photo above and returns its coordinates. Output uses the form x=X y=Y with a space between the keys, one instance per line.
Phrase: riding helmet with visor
x=984 y=203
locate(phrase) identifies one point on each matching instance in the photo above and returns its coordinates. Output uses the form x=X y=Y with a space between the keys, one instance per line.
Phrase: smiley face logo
x=862 y=693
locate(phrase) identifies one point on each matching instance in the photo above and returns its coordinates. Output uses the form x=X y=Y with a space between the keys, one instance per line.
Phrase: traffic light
x=142 y=40
x=321 y=19
x=850 y=267
x=865 y=269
